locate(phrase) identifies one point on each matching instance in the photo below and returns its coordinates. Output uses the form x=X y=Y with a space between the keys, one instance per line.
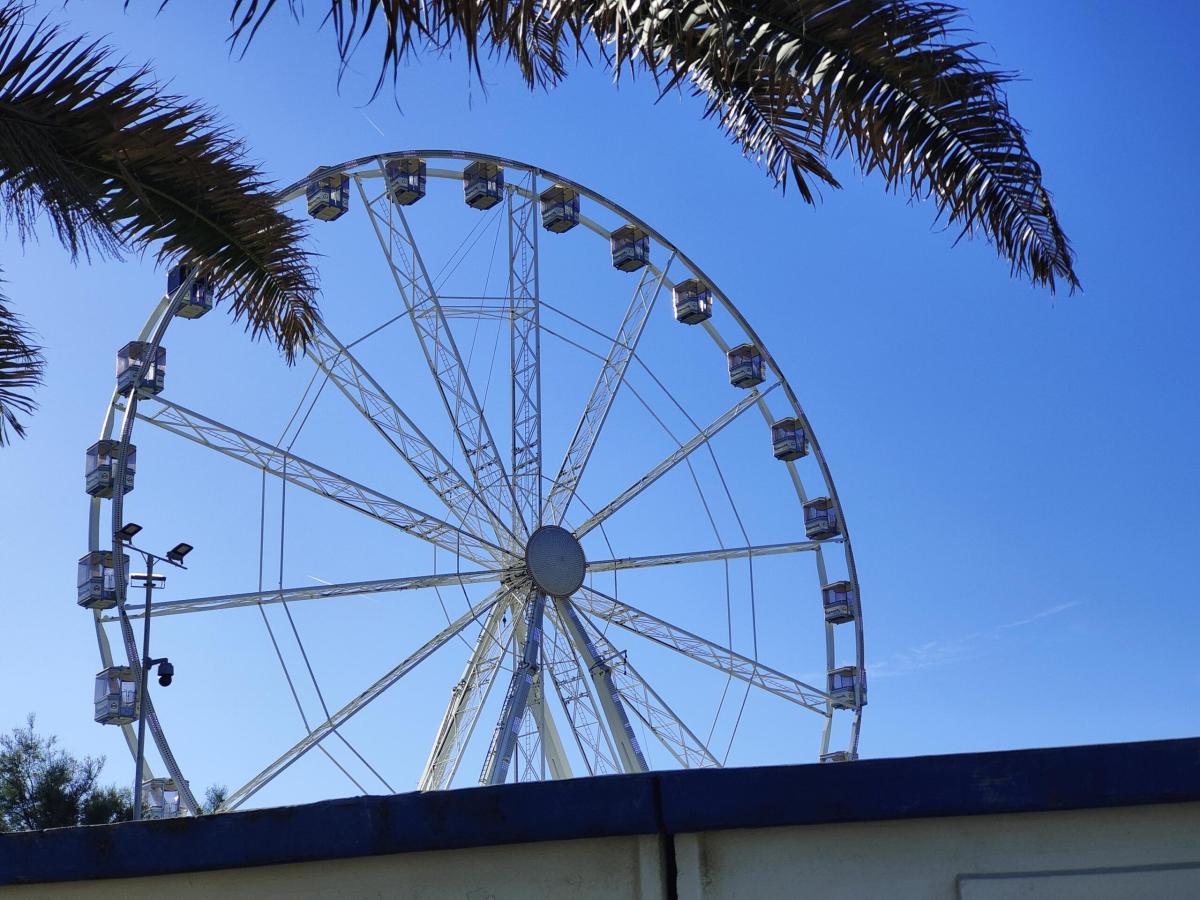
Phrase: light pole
x=166 y=671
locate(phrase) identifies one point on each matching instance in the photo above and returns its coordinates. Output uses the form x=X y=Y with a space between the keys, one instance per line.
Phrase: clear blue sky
x=1018 y=468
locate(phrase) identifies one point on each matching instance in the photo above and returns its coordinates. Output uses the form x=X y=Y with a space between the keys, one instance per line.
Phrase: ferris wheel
x=621 y=496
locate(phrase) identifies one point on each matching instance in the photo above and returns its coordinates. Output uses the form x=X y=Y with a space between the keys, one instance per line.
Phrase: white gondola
x=693 y=301
x=328 y=196
x=789 y=439
x=560 y=208
x=839 y=600
x=130 y=357
x=847 y=688
x=101 y=466
x=630 y=248
x=821 y=519
x=116 y=696
x=483 y=185
x=160 y=798
x=97 y=580
x=835 y=756
x=405 y=180
x=745 y=366
x=199 y=299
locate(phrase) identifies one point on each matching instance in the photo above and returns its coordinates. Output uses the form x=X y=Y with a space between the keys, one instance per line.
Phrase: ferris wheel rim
x=162 y=315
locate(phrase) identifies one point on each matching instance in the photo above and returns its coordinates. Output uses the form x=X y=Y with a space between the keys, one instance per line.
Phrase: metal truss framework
x=608 y=382
x=386 y=416
x=525 y=344
x=491 y=512
x=689 y=751
x=316 y=592
x=702 y=650
x=675 y=458
x=310 y=476
x=599 y=667
x=579 y=706
x=355 y=706
x=467 y=698
x=441 y=353
x=508 y=727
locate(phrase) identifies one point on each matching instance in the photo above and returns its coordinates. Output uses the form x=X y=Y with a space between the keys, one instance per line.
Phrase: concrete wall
x=1143 y=851
x=1088 y=822
x=602 y=869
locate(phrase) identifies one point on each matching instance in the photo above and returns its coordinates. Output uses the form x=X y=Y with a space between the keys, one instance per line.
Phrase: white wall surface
x=1104 y=854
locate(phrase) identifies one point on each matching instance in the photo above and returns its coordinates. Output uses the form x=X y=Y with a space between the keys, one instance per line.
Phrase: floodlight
x=179 y=551
x=129 y=531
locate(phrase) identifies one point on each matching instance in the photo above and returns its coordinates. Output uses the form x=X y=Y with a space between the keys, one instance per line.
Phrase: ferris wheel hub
x=554 y=559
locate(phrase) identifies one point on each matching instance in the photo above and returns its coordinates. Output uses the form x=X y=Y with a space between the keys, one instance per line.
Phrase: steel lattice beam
x=441 y=353
x=504 y=740
x=310 y=476
x=467 y=699
x=702 y=650
x=572 y=687
x=548 y=736
x=608 y=382
x=525 y=349
x=676 y=559
x=316 y=592
x=688 y=750
x=330 y=725
x=672 y=460
x=431 y=466
x=600 y=669
x=538 y=740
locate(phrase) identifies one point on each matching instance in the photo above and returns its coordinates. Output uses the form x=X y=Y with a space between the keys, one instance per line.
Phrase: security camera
x=166 y=673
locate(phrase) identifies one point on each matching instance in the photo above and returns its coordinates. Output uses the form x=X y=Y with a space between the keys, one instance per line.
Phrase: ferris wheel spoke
x=441 y=353
x=571 y=685
x=298 y=471
x=674 y=559
x=539 y=751
x=680 y=741
x=684 y=451
x=619 y=727
x=500 y=752
x=405 y=437
x=537 y=734
x=608 y=382
x=326 y=728
x=315 y=592
x=525 y=354
x=701 y=650
x=467 y=699
x=541 y=740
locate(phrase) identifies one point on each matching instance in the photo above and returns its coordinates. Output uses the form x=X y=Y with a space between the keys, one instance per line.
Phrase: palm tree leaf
x=795 y=83
x=21 y=366
x=113 y=161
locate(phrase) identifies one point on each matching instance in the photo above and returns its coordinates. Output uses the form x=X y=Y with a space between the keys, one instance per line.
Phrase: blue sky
x=1017 y=468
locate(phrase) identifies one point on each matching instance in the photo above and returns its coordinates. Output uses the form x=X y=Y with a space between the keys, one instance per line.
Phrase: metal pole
x=141 y=697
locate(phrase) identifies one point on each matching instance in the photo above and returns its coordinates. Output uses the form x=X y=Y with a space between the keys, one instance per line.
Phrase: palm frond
x=795 y=83
x=21 y=366
x=531 y=33
x=113 y=161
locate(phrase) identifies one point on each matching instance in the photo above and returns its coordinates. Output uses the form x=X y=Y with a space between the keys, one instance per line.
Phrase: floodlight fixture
x=129 y=531
x=178 y=552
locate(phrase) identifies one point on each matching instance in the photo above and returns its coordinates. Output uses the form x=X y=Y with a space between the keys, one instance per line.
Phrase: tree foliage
x=896 y=84
x=113 y=162
x=44 y=786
